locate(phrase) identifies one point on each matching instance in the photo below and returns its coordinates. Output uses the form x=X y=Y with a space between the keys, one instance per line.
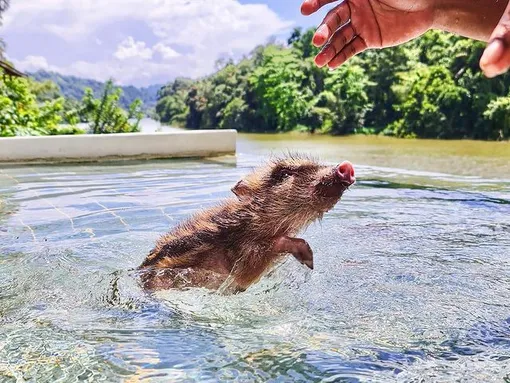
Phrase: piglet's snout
x=345 y=173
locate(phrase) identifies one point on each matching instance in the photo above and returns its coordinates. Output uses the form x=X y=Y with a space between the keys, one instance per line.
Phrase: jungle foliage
x=29 y=107
x=430 y=88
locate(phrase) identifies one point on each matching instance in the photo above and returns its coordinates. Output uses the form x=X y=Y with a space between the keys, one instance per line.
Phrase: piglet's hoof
x=305 y=256
x=308 y=263
x=298 y=247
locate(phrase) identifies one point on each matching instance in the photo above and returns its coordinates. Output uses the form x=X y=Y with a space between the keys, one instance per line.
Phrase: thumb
x=496 y=57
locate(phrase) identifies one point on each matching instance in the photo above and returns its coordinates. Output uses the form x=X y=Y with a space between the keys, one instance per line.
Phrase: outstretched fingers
x=356 y=46
x=311 y=6
x=335 y=18
x=496 y=58
x=340 y=39
x=336 y=34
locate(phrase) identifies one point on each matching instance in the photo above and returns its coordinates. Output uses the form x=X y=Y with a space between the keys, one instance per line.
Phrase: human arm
x=357 y=25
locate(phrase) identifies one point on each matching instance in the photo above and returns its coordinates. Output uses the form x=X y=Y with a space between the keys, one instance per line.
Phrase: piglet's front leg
x=298 y=247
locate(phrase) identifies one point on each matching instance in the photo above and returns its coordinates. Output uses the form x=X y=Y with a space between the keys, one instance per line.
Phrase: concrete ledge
x=91 y=147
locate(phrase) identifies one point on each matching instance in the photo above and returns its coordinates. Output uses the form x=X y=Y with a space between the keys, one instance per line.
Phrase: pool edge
x=115 y=147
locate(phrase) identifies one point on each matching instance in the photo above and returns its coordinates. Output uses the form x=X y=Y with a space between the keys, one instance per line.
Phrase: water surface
x=411 y=279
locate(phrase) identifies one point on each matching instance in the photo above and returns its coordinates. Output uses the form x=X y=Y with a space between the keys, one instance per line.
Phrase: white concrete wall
x=88 y=147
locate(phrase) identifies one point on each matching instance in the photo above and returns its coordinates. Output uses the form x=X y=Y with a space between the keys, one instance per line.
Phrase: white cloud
x=165 y=51
x=32 y=63
x=206 y=29
x=130 y=48
x=123 y=72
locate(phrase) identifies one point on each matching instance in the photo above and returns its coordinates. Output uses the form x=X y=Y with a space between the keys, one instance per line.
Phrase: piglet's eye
x=282 y=175
x=285 y=174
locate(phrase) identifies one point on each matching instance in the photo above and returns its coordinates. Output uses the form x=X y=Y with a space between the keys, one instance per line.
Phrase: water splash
x=411 y=281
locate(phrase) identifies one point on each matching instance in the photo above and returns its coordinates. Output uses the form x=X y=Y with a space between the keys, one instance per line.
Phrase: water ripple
x=411 y=281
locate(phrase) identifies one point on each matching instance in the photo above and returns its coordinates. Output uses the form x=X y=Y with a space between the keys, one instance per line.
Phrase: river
x=411 y=280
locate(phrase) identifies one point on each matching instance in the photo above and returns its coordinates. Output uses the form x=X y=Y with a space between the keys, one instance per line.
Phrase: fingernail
x=321 y=35
x=492 y=54
x=491 y=71
x=323 y=30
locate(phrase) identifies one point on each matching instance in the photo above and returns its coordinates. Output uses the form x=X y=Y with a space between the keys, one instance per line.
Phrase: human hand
x=496 y=58
x=367 y=24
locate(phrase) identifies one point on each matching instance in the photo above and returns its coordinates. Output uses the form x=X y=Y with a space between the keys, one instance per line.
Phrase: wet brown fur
x=237 y=237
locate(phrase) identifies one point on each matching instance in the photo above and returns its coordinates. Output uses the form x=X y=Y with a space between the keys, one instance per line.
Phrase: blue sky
x=142 y=42
x=290 y=10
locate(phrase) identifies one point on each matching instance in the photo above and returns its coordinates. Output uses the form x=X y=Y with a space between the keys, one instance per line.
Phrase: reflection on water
x=411 y=281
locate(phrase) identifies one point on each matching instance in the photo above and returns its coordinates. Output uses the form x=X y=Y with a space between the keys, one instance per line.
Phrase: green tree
x=45 y=91
x=278 y=84
x=382 y=68
x=22 y=115
x=206 y=102
x=302 y=43
x=431 y=104
x=295 y=35
x=429 y=87
x=104 y=115
x=171 y=107
x=236 y=115
x=498 y=116
x=347 y=99
x=72 y=87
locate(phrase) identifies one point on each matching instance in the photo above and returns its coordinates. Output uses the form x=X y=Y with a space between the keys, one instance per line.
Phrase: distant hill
x=73 y=87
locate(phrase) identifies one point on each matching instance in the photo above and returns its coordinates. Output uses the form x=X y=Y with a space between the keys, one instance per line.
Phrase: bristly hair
x=275 y=159
x=293 y=156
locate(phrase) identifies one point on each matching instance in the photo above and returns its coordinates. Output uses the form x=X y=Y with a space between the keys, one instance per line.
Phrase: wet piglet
x=246 y=234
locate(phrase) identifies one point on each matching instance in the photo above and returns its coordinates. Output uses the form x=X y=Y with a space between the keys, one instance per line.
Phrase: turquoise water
x=411 y=279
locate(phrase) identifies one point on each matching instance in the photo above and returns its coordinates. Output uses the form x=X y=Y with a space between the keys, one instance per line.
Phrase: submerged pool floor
x=411 y=281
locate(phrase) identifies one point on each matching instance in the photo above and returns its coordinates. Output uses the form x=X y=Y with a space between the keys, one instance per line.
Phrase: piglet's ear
x=241 y=190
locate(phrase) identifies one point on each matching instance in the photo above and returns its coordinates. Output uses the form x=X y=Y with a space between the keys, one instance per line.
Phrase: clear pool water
x=411 y=279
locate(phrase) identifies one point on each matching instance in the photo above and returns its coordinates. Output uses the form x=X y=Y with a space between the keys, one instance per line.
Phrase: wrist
x=474 y=19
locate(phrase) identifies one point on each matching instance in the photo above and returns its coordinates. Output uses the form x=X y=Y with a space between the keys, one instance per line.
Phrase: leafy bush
x=104 y=115
x=498 y=115
x=21 y=114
